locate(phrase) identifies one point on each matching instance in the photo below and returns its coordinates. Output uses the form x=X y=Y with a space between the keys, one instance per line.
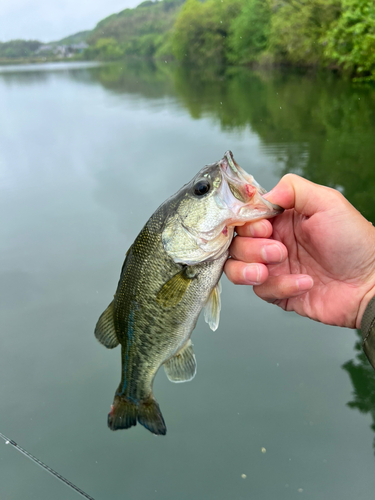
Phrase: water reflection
x=137 y=77
x=26 y=74
x=315 y=125
x=362 y=376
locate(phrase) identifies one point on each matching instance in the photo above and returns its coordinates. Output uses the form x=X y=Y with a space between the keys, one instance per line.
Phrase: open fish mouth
x=202 y=227
x=242 y=194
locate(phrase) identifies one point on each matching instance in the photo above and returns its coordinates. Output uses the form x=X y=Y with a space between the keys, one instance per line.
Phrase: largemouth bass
x=170 y=273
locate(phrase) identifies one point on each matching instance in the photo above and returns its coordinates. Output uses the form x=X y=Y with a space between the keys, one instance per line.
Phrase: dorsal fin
x=126 y=258
x=183 y=366
x=105 y=329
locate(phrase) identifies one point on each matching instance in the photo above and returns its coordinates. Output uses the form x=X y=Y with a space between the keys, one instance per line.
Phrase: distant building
x=62 y=50
x=79 y=47
x=44 y=48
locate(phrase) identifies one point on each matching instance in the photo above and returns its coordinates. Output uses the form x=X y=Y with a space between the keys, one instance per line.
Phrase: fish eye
x=202 y=187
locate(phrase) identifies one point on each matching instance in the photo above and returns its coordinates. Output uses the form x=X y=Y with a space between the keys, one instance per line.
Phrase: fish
x=170 y=273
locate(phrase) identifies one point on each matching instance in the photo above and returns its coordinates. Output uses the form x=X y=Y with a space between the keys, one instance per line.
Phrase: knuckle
x=260 y=291
x=337 y=195
x=242 y=249
x=233 y=251
x=231 y=272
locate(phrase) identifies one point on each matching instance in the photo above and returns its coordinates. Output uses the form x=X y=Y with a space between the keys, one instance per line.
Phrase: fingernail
x=305 y=283
x=251 y=273
x=271 y=253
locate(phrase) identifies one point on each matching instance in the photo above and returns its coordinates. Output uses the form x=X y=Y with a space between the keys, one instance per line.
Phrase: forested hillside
x=334 y=34
x=338 y=34
x=72 y=39
x=18 y=49
x=144 y=31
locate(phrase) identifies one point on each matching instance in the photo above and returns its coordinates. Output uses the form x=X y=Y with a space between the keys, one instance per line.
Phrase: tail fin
x=125 y=413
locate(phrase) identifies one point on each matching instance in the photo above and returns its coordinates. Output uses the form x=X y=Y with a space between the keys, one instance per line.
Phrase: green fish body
x=170 y=273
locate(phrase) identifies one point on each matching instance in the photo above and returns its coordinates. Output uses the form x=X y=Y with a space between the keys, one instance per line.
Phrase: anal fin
x=213 y=307
x=105 y=329
x=182 y=367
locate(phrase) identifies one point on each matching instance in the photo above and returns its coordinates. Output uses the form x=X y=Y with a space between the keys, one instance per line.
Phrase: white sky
x=49 y=20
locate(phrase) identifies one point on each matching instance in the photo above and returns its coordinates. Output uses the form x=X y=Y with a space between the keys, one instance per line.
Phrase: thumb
x=304 y=196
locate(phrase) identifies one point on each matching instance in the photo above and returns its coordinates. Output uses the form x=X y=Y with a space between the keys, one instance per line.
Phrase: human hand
x=317 y=258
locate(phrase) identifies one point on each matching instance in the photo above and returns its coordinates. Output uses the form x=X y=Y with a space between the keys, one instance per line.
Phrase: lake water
x=86 y=155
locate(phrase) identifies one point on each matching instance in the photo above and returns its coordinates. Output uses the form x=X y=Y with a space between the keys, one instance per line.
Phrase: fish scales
x=170 y=273
x=156 y=334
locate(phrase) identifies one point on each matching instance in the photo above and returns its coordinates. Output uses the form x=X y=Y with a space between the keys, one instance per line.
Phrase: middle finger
x=260 y=250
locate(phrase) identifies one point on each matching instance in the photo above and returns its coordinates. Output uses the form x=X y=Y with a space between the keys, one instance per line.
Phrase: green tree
x=249 y=32
x=106 y=49
x=201 y=29
x=351 y=39
x=298 y=28
x=19 y=48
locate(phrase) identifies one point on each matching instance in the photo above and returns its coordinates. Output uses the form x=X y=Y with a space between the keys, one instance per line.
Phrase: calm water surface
x=86 y=155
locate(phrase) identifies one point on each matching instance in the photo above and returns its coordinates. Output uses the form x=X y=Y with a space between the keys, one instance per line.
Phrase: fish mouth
x=242 y=194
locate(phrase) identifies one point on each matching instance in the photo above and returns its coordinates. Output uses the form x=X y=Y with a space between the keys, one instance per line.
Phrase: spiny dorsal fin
x=213 y=307
x=173 y=291
x=183 y=366
x=126 y=257
x=105 y=329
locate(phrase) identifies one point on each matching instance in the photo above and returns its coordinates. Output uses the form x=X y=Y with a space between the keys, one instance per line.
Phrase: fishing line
x=44 y=466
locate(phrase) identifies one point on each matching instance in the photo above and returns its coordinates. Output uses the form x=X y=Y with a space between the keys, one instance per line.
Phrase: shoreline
x=48 y=65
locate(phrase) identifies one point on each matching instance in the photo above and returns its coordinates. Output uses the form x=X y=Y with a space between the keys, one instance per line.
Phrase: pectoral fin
x=183 y=366
x=174 y=289
x=213 y=307
x=105 y=329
